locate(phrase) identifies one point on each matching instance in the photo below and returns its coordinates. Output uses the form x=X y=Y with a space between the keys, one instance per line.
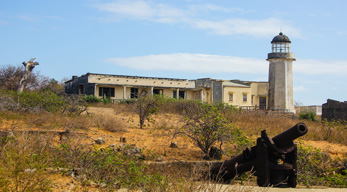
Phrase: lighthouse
x=281 y=93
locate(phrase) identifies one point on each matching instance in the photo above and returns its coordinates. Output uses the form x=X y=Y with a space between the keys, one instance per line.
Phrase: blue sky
x=180 y=39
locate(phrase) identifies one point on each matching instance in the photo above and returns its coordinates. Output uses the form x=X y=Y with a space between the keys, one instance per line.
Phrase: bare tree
x=146 y=105
x=28 y=69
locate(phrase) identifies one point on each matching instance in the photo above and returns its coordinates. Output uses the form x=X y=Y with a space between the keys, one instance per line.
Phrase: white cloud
x=197 y=63
x=142 y=10
x=299 y=88
x=203 y=63
x=256 y=28
x=317 y=67
x=193 y=16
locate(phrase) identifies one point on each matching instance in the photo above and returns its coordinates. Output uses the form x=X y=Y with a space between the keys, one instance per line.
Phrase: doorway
x=262 y=103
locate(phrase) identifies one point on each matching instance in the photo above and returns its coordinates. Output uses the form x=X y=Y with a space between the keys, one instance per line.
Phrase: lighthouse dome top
x=280 y=38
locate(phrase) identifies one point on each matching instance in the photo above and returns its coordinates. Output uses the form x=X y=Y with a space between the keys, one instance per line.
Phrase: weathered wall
x=317 y=109
x=334 y=110
x=72 y=86
x=217 y=92
x=140 y=81
x=281 y=93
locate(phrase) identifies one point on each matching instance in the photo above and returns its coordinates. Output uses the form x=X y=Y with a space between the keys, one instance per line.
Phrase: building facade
x=119 y=87
x=276 y=95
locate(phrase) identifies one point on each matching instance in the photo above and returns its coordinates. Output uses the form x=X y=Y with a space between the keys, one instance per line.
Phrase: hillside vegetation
x=51 y=141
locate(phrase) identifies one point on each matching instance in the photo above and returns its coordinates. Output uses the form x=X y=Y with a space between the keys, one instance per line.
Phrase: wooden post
x=28 y=68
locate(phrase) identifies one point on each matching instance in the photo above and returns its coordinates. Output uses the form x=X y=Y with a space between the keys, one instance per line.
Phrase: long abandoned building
x=118 y=87
x=277 y=94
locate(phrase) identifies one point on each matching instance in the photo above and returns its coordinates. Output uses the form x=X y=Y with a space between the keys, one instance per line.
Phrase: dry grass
x=115 y=121
x=109 y=123
x=253 y=123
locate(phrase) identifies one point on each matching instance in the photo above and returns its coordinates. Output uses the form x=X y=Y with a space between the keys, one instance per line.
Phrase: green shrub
x=105 y=166
x=207 y=126
x=33 y=101
x=92 y=99
x=317 y=168
x=22 y=164
x=127 y=101
x=309 y=115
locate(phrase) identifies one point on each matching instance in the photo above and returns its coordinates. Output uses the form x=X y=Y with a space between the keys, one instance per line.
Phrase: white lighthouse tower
x=281 y=94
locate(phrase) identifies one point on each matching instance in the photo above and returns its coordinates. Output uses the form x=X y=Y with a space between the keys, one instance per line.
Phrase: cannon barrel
x=285 y=138
x=246 y=161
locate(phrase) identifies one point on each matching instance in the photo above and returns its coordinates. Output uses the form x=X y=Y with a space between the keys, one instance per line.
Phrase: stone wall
x=317 y=109
x=334 y=110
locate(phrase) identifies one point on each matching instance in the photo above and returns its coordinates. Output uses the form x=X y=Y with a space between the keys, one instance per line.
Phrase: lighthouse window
x=280 y=47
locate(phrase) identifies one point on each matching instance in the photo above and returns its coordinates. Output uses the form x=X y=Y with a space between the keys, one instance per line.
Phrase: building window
x=81 y=89
x=231 y=97
x=182 y=94
x=174 y=94
x=244 y=97
x=106 y=92
x=134 y=92
x=157 y=91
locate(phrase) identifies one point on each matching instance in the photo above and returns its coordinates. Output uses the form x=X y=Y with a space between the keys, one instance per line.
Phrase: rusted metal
x=272 y=160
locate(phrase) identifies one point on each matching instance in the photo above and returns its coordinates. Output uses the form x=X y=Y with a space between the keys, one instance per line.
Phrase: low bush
x=207 y=126
x=92 y=99
x=22 y=163
x=309 y=115
x=317 y=168
x=110 y=123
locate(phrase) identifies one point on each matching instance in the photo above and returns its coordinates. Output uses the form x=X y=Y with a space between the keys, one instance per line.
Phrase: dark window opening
x=262 y=103
x=175 y=94
x=157 y=91
x=231 y=97
x=134 y=92
x=106 y=92
x=244 y=97
x=81 y=89
x=182 y=94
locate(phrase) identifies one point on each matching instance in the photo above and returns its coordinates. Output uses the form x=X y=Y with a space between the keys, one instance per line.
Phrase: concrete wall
x=140 y=81
x=253 y=92
x=217 y=91
x=317 y=109
x=281 y=93
x=72 y=86
x=237 y=96
x=334 y=110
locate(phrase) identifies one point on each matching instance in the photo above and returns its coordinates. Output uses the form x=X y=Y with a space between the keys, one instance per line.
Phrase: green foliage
x=22 y=165
x=147 y=105
x=105 y=166
x=127 y=101
x=317 y=168
x=206 y=125
x=42 y=101
x=309 y=115
x=46 y=100
x=92 y=99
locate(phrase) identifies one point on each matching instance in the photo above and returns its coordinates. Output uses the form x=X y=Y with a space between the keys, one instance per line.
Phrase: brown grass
x=114 y=121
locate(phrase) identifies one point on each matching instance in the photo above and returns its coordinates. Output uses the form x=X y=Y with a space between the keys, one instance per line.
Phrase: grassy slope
x=115 y=121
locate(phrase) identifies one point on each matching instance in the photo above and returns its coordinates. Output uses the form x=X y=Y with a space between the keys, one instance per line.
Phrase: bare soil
x=154 y=140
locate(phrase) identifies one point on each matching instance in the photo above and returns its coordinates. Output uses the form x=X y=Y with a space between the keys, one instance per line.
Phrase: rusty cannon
x=273 y=161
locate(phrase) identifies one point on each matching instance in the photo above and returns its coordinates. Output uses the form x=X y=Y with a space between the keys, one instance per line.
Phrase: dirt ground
x=187 y=151
x=155 y=142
